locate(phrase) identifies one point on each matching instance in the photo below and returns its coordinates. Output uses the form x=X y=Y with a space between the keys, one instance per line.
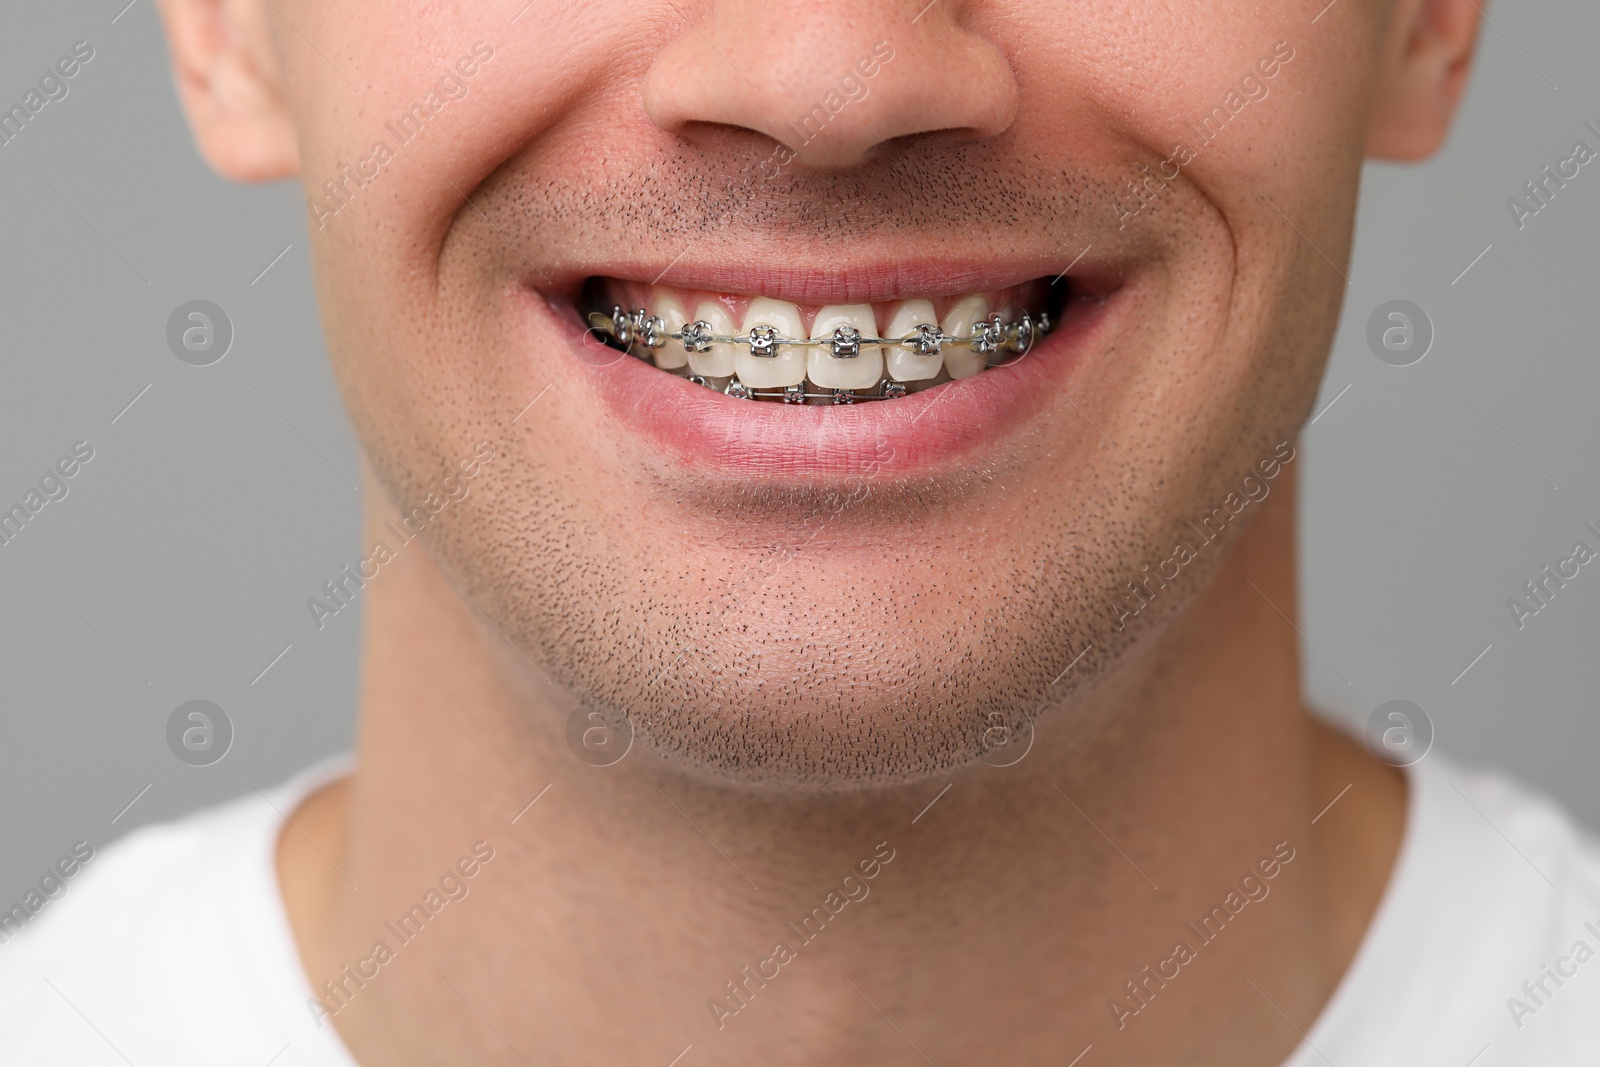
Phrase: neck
x=1095 y=892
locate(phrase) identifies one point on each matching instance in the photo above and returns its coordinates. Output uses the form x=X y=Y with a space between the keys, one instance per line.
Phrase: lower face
x=788 y=564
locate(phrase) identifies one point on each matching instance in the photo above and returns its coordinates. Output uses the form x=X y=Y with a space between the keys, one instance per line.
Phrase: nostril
x=835 y=93
x=724 y=138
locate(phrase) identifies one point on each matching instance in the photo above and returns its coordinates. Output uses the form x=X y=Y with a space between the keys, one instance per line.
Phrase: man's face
x=821 y=593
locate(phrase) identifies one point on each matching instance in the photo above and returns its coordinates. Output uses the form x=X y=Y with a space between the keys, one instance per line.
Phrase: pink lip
x=711 y=432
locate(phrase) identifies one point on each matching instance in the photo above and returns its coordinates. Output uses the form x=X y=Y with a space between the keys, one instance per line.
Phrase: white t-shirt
x=172 y=948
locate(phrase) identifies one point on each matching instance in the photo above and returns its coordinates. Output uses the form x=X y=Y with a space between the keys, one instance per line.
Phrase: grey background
x=178 y=566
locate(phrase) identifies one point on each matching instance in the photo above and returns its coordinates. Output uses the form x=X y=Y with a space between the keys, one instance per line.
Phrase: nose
x=830 y=79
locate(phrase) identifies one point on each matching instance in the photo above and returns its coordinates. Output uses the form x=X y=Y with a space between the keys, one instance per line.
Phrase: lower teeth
x=638 y=333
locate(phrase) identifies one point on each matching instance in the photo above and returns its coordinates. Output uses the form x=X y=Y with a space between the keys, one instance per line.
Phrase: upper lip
x=878 y=280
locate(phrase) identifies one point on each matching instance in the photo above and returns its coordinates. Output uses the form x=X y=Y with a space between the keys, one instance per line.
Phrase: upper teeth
x=845 y=353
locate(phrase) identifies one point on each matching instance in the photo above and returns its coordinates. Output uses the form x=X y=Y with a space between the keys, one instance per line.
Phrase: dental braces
x=629 y=329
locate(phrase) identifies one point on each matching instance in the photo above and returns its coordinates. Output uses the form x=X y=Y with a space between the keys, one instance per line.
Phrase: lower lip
x=917 y=433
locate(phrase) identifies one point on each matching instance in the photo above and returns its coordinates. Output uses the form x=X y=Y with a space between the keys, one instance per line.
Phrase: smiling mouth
x=764 y=349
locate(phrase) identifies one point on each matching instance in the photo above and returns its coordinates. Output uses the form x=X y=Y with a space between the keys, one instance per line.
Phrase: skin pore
x=811 y=655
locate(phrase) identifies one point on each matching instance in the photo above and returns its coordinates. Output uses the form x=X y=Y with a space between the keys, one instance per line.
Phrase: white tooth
x=861 y=372
x=959 y=360
x=669 y=310
x=788 y=367
x=904 y=364
x=716 y=361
